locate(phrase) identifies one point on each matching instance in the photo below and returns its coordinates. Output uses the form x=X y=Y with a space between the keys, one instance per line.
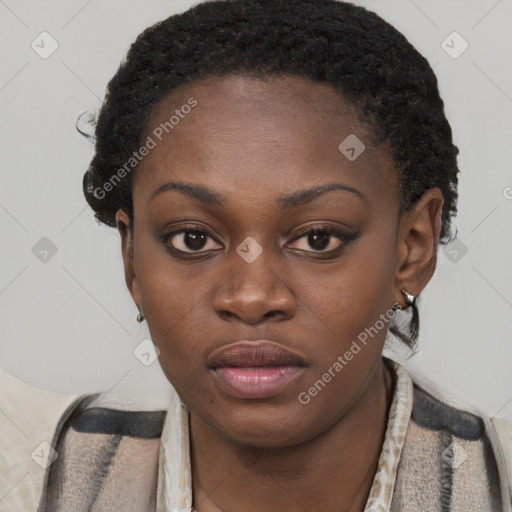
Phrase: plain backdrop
x=67 y=320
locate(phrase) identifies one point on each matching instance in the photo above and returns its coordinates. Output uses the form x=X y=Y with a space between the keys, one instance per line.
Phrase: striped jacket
x=80 y=456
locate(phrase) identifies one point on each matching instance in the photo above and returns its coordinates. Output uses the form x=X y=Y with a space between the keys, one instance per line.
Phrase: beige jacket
x=67 y=453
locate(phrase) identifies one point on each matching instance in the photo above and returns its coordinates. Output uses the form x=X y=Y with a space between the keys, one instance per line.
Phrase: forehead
x=254 y=137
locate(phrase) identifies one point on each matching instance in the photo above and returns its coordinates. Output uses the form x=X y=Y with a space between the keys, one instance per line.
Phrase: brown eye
x=322 y=240
x=319 y=240
x=190 y=241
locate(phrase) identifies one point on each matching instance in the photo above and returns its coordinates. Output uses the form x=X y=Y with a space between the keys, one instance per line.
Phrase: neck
x=333 y=471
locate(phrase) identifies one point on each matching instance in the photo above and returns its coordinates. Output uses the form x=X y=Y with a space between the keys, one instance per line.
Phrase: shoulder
x=465 y=429
x=96 y=419
x=48 y=437
x=431 y=412
x=29 y=417
x=504 y=432
x=108 y=453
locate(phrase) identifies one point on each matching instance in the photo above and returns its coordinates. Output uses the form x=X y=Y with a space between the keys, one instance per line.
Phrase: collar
x=174 y=492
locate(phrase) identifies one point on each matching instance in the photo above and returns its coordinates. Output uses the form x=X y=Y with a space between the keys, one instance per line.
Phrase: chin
x=263 y=427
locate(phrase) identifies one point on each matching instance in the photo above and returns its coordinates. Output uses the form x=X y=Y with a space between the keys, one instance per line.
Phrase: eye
x=322 y=240
x=189 y=240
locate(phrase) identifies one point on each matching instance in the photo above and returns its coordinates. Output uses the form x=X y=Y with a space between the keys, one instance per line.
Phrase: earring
x=140 y=318
x=410 y=299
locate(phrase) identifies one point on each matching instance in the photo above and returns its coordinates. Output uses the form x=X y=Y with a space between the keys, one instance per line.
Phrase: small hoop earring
x=410 y=299
x=140 y=318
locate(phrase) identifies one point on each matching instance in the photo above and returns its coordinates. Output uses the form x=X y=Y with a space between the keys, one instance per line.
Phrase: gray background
x=68 y=323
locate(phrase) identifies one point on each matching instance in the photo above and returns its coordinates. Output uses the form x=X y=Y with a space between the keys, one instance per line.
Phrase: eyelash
x=344 y=238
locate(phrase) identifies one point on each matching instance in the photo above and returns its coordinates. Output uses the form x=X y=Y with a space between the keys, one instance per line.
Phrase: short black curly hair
x=368 y=61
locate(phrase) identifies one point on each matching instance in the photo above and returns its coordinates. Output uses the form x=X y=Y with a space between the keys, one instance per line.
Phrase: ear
x=123 y=226
x=418 y=238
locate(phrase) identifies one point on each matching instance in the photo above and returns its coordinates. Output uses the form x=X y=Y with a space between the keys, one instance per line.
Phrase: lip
x=255 y=369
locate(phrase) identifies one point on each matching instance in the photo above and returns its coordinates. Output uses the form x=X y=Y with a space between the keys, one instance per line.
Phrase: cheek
x=353 y=305
x=351 y=296
x=349 y=346
x=371 y=274
x=174 y=305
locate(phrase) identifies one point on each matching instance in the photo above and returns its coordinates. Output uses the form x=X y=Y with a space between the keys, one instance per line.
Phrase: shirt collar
x=174 y=492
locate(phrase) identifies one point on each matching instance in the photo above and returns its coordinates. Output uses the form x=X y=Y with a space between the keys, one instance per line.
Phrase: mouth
x=255 y=369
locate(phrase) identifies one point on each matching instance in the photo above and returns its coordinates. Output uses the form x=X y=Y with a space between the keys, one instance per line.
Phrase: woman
x=281 y=174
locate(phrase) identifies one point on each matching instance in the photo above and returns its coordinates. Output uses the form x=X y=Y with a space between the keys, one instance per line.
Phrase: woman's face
x=258 y=167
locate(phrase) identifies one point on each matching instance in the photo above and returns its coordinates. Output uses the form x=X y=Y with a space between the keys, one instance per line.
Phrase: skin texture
x=252 y=141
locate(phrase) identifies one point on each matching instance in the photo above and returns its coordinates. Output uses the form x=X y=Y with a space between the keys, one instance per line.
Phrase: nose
x=254 y=292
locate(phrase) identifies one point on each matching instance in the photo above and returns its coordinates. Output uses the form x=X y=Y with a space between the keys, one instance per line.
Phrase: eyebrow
x=286 y=202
